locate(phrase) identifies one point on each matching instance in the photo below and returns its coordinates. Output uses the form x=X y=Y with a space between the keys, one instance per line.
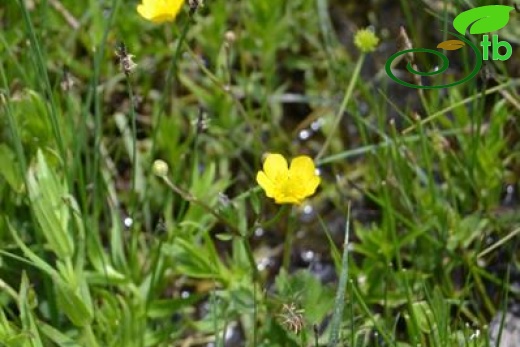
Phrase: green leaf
x=424 y=316
x=10 y=335
x=242 y=299
x=482 y=19
x=304 y=288
x=255 y=203
x=8 y=168
x=47 y=195
x=26 y=315
x=164 y=308
x=56 y=336
x=35 y=259
x=342 y=288
x=73 y=304
x=192 y=261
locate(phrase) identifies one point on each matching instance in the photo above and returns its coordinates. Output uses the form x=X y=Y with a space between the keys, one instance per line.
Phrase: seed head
x=125 y=60
x=366 y=40
x=292 y=317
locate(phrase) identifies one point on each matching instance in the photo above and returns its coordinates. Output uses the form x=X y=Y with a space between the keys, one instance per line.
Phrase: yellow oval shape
x=451 y=45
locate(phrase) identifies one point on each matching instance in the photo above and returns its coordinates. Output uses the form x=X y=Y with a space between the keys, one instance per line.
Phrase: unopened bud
x=230 y=37
x=160 y=168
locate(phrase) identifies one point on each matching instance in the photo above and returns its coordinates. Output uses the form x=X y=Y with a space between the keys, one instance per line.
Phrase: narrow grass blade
x=26 y=315
x=340 y=294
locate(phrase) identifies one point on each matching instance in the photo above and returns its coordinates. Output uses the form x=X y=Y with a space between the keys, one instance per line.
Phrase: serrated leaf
x=482 y=19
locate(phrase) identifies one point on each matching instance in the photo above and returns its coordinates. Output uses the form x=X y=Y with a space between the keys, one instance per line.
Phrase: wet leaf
x=451 y=45
x=482 y=19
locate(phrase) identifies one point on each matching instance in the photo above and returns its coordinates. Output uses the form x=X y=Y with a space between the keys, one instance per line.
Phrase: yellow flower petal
x=302 y=174
x=276 y=168
x=284 y=199
x=266 y=184
x=159 y=11
x=160 y=18
x=150 y=3
x=302 y=166
x=144 y=11
x=312 y=185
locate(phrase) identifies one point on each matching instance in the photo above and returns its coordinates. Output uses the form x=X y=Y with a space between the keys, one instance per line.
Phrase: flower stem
x=288 y=240
x=255 y=279
x=186 y=195
x=343 y=106
x=276 y=218
x=171 y=75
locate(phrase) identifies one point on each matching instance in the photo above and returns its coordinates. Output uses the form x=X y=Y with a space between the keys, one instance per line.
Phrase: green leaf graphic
x=484 y=19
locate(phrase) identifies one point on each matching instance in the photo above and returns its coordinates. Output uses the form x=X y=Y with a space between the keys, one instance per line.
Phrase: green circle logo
x=444 y=67
x=478 y=20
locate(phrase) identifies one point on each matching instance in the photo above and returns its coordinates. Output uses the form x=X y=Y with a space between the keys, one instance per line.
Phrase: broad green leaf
x=47 y=195
x=482 y=19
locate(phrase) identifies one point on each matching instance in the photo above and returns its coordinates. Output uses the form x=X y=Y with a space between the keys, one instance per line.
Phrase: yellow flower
x=159 y=11
x=366 y=40
x=288 y=185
